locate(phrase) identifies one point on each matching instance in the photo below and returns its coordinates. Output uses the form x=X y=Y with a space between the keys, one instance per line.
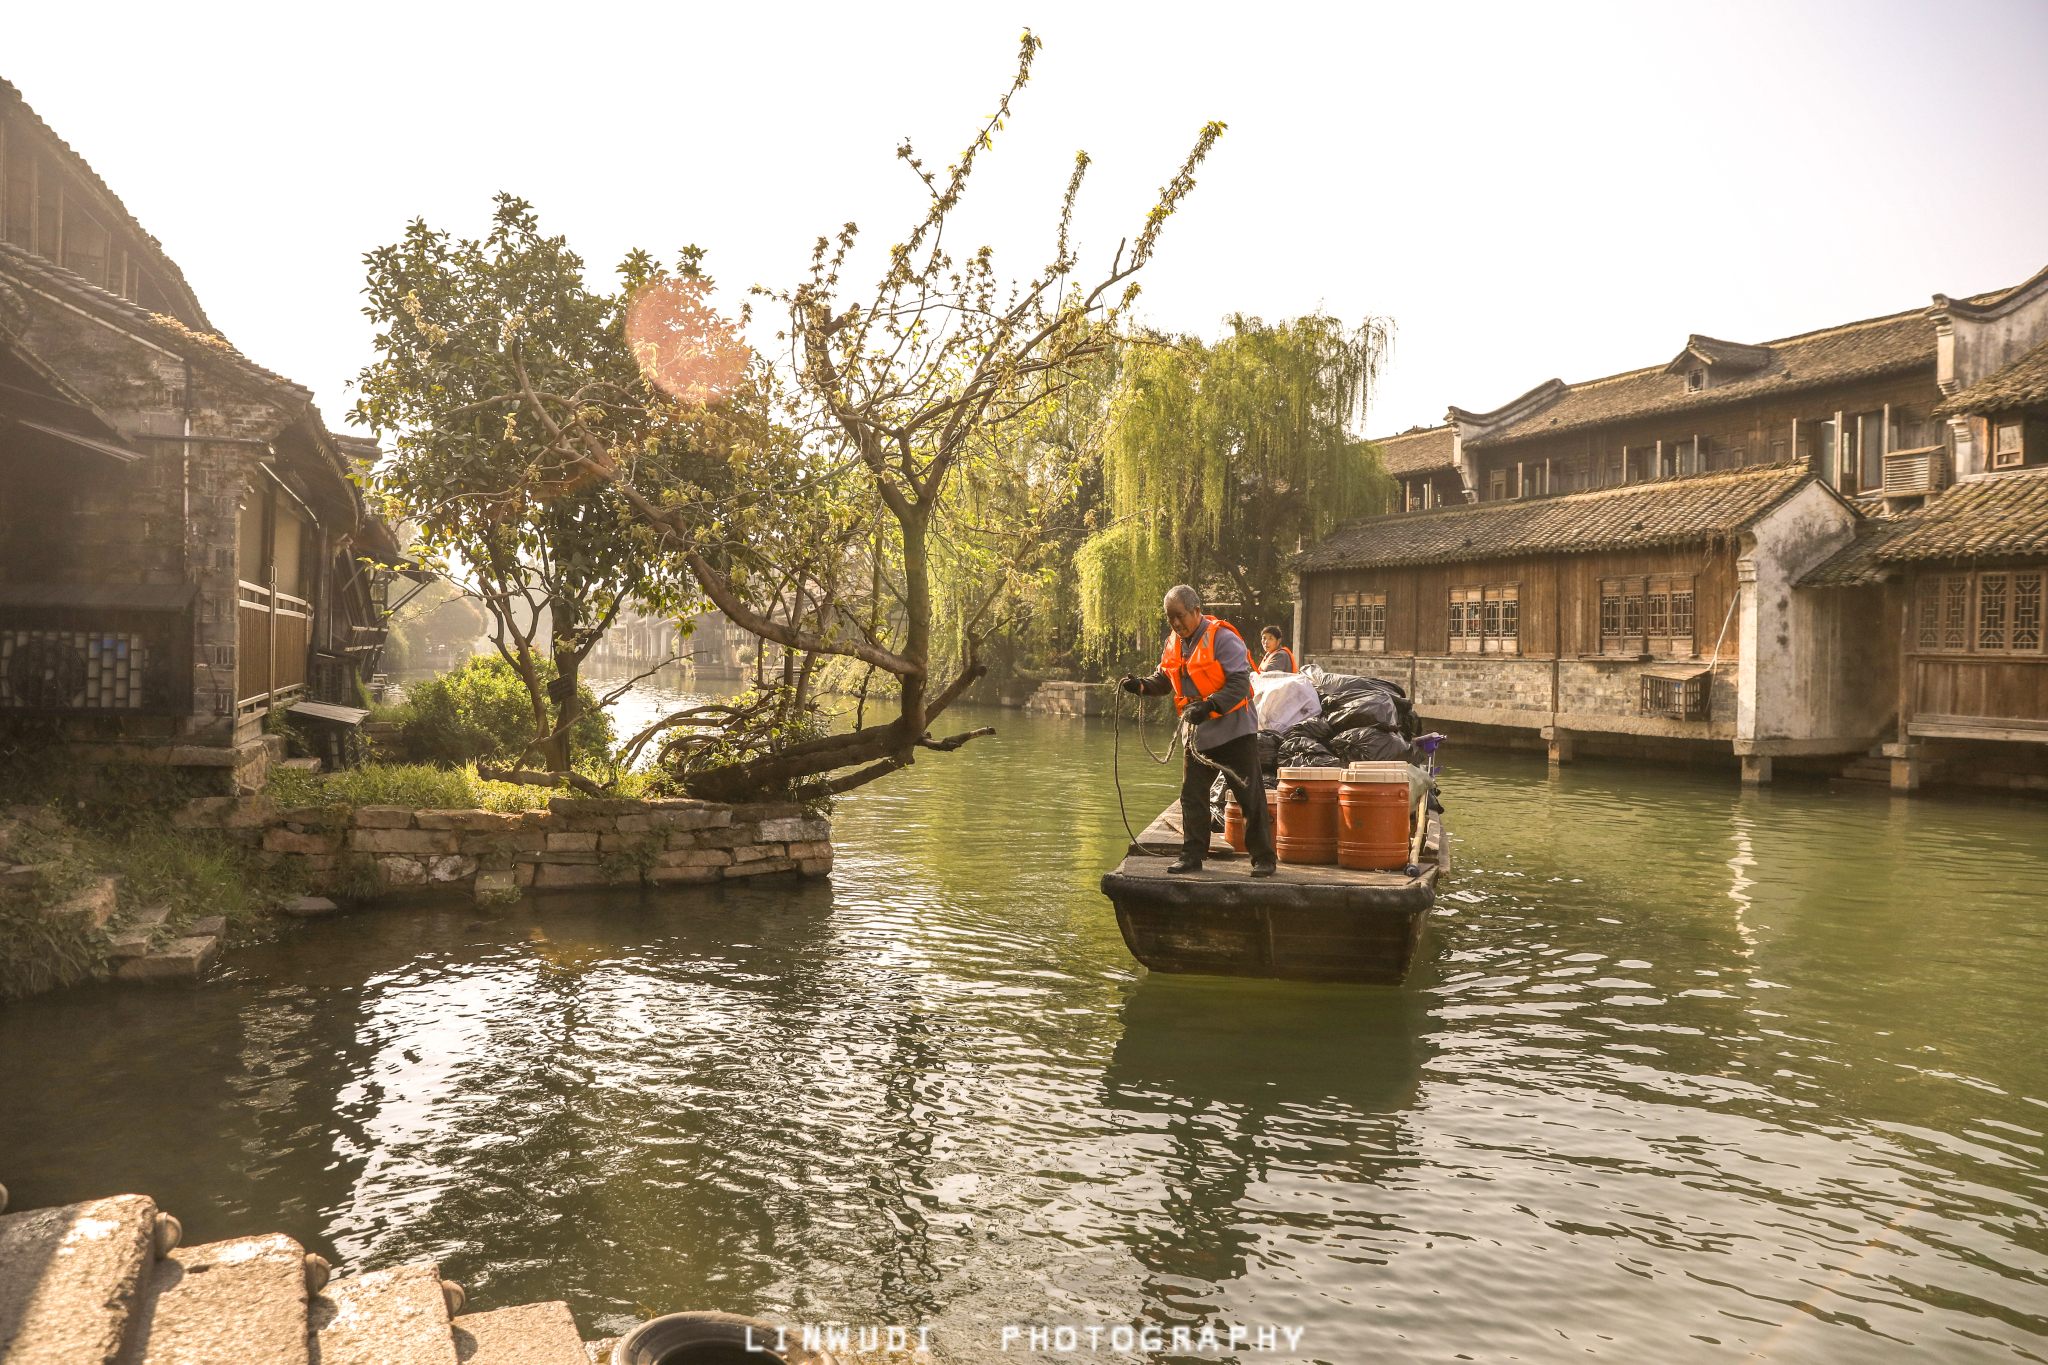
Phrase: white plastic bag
x=1284 y=699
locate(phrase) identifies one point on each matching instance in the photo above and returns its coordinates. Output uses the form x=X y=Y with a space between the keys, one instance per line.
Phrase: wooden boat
x=1305 y=923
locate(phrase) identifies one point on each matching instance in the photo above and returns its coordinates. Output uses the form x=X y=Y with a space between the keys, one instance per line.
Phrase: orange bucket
x=1372 y=817
x=1305 y=815
x=1233 y=823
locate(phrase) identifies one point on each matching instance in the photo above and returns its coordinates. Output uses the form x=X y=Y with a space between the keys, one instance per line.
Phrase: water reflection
x=1684 y=1073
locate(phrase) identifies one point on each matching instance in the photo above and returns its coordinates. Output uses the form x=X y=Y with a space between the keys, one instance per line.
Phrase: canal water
x=1684 y=1074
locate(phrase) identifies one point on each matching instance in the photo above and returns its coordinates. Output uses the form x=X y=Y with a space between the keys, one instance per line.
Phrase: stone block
x=627 y=843
x=762 y=865
x=562 y=859
x=766 y=810
x=795 y=831
x=213 y=926
x=383 y=817
x=688 y=814
x=251 y=812
x=730 y=836
x=386 y=1317
x=530 y=1334
x=487 y=821
x=679 y=876
x=129 y=943
x=634 y=824
x=497 y=879
x=70 y=1276
x=245 y=1298
x=320 y=817
x=523 y=873
x=815 y=867
x=817 y=848
x=452 y=868
x=572 y=842
x=308 y=906
x=693 y=857
x=397 y=873
x=750 y=853
x=92 y=905
x=568 y=805
x=284 y=841
x=402 y=841
x=181 y=959
x=548 y=876
x=681 y=839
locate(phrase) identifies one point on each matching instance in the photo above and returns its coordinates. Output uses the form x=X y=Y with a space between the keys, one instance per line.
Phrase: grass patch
x=421 y=786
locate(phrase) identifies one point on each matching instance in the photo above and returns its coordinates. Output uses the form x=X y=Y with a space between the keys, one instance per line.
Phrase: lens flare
x=680 y=342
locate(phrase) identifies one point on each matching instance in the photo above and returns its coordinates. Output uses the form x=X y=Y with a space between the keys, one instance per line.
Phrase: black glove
x=1131 y=684
x=1198 y=711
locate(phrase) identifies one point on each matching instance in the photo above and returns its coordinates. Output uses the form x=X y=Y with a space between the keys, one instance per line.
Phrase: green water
x=1683 y=1074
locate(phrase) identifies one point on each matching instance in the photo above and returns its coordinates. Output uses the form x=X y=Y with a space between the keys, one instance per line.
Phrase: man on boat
x=1207 y=668
x=1279 y=658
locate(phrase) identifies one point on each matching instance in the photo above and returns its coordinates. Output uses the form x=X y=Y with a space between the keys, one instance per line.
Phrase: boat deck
x=1306 y=923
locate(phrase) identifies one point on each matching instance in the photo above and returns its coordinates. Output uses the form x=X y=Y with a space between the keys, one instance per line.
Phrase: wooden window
x=1497 y=485
x=2008 y=445
x=1652 y=614
x=1486 y=619
x=1985 y=613
x=1358 y=622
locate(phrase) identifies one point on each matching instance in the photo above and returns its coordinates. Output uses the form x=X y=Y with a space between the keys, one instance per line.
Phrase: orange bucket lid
x=1311 y=774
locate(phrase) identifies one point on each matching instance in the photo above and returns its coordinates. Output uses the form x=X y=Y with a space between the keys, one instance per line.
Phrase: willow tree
x=1219 y=461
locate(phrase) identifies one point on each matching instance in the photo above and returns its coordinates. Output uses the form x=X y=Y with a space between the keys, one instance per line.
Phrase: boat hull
x=1224 y=923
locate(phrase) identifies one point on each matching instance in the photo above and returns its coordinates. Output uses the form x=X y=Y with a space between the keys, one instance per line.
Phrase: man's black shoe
x=1264 y=867
x=1184 y=864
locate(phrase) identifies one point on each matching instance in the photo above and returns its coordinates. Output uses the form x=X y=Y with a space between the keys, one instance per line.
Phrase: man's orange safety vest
x=1201 y=663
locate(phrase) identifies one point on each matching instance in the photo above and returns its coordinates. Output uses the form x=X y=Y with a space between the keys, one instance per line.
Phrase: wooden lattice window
x=1995 y=612
x=1358 y=622
x=1486 y=619
x=1651 y=614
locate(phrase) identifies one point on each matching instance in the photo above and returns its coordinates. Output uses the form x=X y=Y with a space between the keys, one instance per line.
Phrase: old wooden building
x=182 y=547
x=1710 y=554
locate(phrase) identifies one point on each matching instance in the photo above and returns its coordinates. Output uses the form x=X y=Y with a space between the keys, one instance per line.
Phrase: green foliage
x=1217 y=460
x=484 y=344
x=481 y=712
x=422 y=786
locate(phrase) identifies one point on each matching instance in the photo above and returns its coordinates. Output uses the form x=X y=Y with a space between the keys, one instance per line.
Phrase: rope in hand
x=1116 y=714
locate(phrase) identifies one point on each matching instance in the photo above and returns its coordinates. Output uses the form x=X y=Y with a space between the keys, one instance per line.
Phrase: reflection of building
x=180 y=543
x=1694 y=556
x=713 y=646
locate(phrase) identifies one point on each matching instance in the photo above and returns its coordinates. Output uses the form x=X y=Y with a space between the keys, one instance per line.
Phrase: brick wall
x=574 y=843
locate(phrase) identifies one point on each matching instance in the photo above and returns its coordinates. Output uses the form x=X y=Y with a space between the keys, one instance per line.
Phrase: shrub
x=480 y=713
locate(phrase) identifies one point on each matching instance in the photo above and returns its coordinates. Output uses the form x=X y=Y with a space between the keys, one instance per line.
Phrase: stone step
x=182 y=959
x=531 y=1334
x=386 y=1317
x=222 y=1304
x=600 y=1352
x=133 y=940
x=69 y=1277
x=92 y=905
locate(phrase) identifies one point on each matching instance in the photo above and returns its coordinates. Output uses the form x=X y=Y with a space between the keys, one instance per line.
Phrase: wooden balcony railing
x=273 y=631
x=1922 y=470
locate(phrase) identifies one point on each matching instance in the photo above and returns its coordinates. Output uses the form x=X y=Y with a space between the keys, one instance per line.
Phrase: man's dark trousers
x=1237 y=756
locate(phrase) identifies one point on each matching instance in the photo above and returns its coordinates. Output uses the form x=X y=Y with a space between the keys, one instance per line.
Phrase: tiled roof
x=2020 y=384
x=1417 y=452
x=1877 y=346
x=1634 y=516
x=10 y=94
x=1714 y=351
x=1998 y=516
x=46 y=274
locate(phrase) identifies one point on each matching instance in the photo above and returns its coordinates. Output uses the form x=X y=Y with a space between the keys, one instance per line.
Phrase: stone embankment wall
x=574 y=843
x=1066 y=699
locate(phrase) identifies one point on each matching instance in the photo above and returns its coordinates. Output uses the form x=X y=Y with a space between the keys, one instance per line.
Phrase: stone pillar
x=1908 y=766
x=1756 y=769
x=1560 y=744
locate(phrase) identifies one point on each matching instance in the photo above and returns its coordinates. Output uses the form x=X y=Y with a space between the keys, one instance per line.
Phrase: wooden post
x=270 y=647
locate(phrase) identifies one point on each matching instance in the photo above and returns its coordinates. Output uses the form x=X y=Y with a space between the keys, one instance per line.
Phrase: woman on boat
x=1279 y=658
x=1208 y=669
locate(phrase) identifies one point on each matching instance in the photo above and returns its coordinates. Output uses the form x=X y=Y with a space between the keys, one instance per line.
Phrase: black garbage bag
x=1299 y=751
x=1269 y=750
x=1371 y=744
x=1370 y=708
x=1316 y=729
x=1336 y=689
x=1388 y=685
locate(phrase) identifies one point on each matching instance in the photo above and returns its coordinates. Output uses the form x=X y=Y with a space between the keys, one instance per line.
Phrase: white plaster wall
x=1793 y=680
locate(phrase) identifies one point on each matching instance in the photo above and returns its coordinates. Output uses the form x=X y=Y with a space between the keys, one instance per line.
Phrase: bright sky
x=1527 y=190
